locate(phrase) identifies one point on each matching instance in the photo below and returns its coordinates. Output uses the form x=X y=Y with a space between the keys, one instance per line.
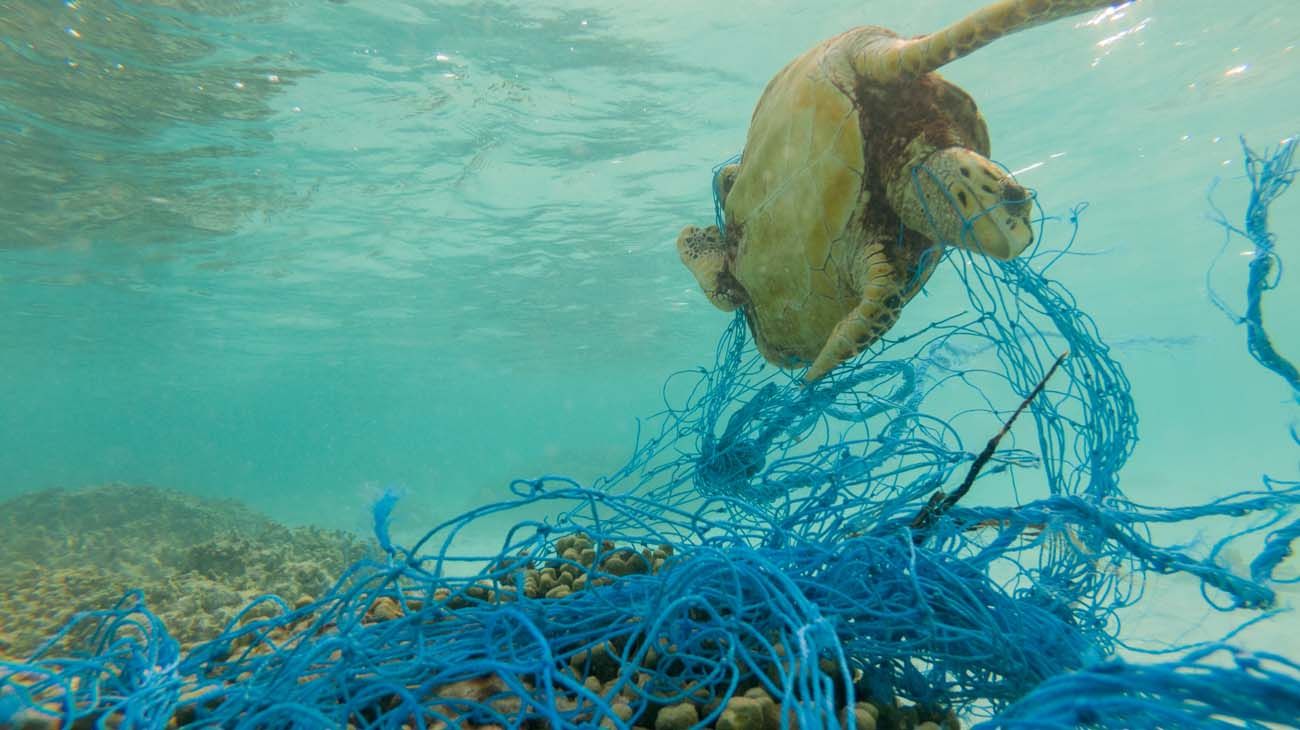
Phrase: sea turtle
x=860 y=163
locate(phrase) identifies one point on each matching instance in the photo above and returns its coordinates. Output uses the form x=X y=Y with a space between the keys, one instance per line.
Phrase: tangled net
x=771 y=555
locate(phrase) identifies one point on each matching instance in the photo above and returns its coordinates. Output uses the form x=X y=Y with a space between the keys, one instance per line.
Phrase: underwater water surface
x=293 y=253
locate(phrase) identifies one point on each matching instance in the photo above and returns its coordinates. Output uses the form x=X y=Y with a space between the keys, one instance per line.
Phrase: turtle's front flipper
x=705 y=254
x=886 y=59
x=882 y=300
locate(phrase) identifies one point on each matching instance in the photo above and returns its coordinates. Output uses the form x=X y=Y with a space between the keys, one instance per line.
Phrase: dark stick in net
x=939 y=502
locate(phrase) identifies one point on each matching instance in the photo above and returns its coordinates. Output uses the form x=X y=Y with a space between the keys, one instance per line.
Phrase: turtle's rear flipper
x=886 y=59
x=875 y=314
x=705 y=254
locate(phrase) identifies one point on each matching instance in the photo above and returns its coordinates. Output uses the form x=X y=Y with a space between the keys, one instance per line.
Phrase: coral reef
x=196 y=561
x=633 y=685
x=199 y=562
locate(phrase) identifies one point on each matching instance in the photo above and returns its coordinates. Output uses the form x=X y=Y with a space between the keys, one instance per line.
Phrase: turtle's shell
x=823 y=145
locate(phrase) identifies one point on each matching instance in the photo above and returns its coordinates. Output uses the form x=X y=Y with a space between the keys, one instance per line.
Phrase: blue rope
x=1270 y=174
x=1189 y=693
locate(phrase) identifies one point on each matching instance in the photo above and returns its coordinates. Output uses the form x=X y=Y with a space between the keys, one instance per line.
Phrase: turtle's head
x=959 y=197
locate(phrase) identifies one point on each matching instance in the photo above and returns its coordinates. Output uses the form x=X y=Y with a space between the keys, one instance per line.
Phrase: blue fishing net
x=1247 y=690
x=850 y=553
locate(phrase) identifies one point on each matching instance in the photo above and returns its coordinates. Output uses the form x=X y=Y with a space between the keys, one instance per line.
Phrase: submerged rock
x=196 y=561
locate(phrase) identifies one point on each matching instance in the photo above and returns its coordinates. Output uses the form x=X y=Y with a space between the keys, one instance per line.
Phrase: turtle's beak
x=1003 y=229
x=1015 y=199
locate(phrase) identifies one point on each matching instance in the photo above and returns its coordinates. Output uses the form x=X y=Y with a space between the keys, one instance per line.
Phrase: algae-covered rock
x=677 y=717
x=742 y=713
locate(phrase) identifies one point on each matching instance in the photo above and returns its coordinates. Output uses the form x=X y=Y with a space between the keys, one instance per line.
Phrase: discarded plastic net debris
x=1270 y=174
x=770 y=556
x=1193 y=692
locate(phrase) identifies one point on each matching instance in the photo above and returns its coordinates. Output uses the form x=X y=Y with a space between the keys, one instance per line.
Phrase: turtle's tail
x=886 y=59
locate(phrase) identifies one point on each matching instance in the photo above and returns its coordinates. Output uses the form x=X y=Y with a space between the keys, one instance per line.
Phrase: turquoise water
x=290 y=252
